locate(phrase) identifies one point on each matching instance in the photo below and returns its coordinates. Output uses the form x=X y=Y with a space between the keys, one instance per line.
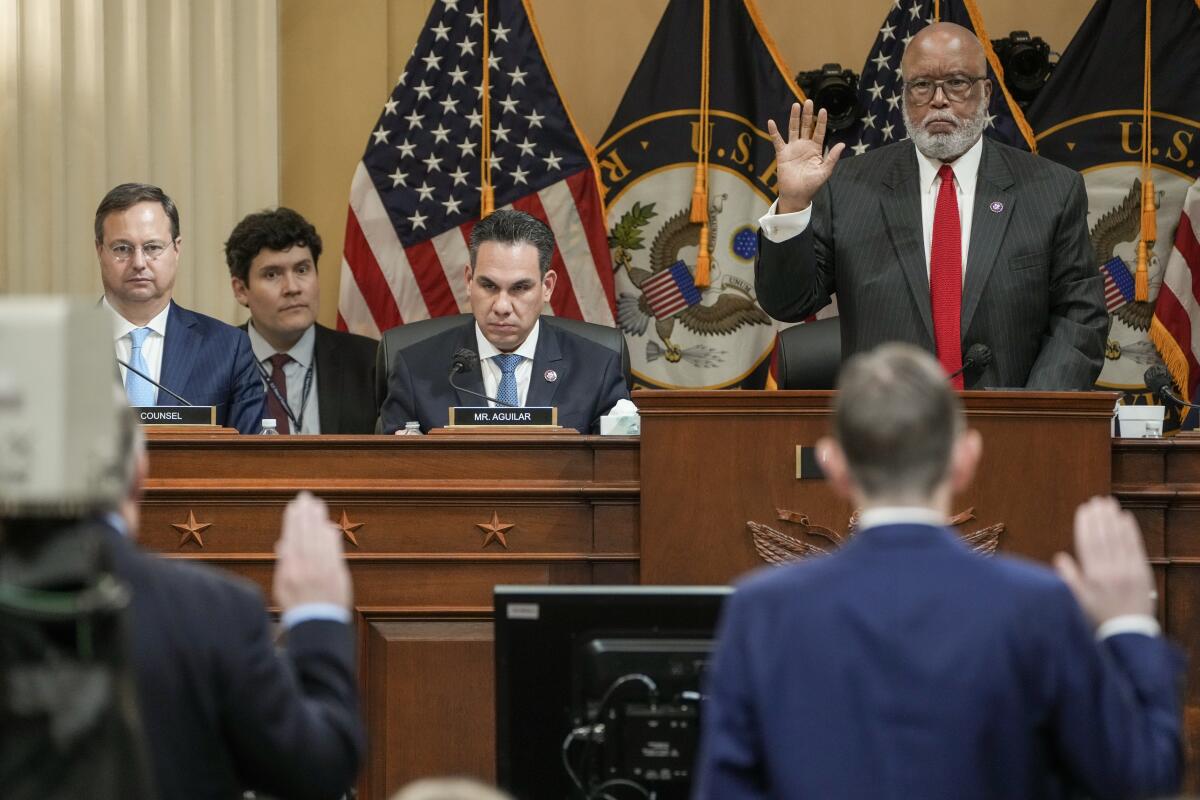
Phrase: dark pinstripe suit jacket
x=1031 y=291
x=211 y=364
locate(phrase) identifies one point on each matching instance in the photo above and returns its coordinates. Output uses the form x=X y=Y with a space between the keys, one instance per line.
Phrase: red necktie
x=275 y=408
x=945 y=277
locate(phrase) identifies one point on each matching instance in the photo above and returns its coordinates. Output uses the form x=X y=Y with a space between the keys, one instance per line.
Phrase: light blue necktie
x=508 y=377
x=141 y=391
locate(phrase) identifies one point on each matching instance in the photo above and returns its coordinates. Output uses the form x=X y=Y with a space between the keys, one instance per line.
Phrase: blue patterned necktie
x=141 y=391
x=508 y=377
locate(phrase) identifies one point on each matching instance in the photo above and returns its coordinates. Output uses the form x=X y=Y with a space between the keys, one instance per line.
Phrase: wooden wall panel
x=423 y=568
x=1159 y=481
x=431 y=699
x=695 y=507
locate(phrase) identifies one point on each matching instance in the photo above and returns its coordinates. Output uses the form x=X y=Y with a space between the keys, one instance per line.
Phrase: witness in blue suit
x=203 y=360
x=908 y=666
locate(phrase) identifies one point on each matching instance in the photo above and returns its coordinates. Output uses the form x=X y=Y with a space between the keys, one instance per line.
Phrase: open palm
x=802 y=165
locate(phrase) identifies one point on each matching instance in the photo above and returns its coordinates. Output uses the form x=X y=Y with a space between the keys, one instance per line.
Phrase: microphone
x=1158 y=380
x=978 y=355
x=464 y=359
x=139 y=373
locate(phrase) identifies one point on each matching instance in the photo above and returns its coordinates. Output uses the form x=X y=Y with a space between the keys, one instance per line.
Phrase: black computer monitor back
x=600 y=685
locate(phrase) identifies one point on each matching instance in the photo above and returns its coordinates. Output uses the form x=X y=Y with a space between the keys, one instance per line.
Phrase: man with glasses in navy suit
x=203 y=360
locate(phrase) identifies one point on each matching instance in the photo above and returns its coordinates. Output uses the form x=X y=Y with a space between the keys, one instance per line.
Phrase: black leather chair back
x=810 y=355
x=402 y=336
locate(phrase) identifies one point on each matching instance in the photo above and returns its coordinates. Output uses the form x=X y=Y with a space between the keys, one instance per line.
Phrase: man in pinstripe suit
x=1010 y=257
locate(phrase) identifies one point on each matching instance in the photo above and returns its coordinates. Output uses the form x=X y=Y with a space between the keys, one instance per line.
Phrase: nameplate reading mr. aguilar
x=176 y=415
x=461 y=416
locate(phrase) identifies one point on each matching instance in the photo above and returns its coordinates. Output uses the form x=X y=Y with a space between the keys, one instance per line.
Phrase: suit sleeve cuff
x=308 y=612
x=1143 y=624
x=779 y=228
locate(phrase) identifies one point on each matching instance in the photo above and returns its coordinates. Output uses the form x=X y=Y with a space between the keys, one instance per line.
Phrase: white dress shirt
x=152 y=347
x=491 y=370
x=920 y=515
x=781 y=227
x=302 y=354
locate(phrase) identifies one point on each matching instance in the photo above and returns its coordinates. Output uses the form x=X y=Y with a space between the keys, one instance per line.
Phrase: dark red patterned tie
x=945 y=277
x=279 y=380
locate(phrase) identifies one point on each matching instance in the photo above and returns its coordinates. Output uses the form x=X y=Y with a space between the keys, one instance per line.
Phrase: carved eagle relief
x=776 y=547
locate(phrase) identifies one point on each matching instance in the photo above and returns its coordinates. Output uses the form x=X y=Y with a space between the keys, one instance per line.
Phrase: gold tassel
x=702 y=279
x=1149 y=213
x=1142 y=277
x=699 y=197
x=487 y=201
x=1149 y=234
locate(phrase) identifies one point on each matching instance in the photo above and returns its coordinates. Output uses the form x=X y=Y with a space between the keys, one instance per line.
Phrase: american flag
x=670 y=290
x=881 y=86
x=1175 y=327
x=416 y=194
x=1118 y=283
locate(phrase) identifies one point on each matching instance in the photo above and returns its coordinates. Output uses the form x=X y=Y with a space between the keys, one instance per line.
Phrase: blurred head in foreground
x=900 y=437
x=449 y=789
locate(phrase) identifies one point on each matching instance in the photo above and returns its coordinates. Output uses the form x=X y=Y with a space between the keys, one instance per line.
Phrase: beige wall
x=339 y=60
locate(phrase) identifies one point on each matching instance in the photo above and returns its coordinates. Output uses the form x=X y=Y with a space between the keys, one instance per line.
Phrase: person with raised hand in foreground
x=222 y=708
x=907 y=665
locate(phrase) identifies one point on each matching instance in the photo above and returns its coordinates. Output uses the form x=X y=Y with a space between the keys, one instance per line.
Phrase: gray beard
x=947 y=146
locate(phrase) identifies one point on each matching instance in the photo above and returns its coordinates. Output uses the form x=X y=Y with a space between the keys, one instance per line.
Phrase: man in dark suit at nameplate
x=204 y=360
x=907 y=665
x=317 y=380
x=521 y=361
x=946 y=240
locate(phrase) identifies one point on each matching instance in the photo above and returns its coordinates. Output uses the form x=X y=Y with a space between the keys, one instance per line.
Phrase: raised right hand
x=310 y=566
x=1111 y=577
x=801 y=163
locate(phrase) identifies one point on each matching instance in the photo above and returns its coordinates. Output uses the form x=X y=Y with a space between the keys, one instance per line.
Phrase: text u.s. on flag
x=416 y=194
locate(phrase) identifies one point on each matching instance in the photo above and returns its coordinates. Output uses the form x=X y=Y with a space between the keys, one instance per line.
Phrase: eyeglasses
x=122 y=251
x=956 y=89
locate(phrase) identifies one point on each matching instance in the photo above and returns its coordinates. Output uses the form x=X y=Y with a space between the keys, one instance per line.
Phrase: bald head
x=945 y=43
x=946 y=90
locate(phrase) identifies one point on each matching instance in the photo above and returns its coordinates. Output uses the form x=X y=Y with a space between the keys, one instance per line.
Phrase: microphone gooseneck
x=141 y=374
x=1158 y=380
x=977 y=355
x=463 y=360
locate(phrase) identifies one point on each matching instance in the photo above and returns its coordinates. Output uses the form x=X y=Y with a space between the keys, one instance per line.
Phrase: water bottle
x=268 y=428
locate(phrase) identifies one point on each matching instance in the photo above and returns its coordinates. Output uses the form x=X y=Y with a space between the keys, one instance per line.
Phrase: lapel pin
x=996 y=206
x=550 y=375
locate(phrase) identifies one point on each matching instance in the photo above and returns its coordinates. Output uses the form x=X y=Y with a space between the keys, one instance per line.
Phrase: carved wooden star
x=190 y=529
x=348 y=528
x=495 y=530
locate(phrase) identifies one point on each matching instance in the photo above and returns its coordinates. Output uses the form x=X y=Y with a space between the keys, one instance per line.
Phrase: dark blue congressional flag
x=1089 y=116
x=692 y=96
x=881 y=85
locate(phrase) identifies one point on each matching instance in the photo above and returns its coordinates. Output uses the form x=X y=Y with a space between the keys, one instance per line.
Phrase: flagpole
x=699 y=212
x=487 y=197
x=1149 y=214
x=981 y=33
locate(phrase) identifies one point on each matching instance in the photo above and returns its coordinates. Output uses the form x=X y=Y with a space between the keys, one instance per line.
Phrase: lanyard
x=297 y=422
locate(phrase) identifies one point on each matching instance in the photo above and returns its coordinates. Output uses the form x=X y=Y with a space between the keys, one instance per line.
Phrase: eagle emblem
x=734 y=306
x=1118 y=226
x=776 y=547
